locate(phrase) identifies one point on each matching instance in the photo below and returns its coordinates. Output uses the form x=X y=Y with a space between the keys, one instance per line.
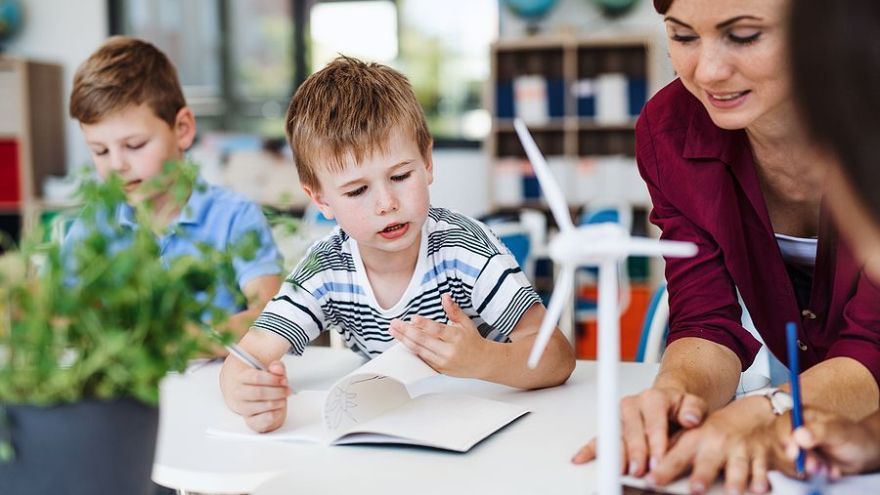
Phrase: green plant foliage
x=111 y=319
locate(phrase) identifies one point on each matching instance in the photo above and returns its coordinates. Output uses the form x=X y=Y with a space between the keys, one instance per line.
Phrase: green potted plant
x=86 y=338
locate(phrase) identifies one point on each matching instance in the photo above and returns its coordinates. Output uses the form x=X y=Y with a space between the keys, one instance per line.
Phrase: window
x=234 y=58
x=442 y=47
x=444 y=50
x=238 y=60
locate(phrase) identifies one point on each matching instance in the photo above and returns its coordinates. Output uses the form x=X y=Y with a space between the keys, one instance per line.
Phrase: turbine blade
x=555 y=198
x=560 y=296
x=643 y=246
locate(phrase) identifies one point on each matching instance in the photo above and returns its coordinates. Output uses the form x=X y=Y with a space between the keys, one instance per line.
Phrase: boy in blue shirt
x=130 y=106
x=396 y=269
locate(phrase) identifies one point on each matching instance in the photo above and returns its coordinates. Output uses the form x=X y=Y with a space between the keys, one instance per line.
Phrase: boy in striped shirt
x=395 y=269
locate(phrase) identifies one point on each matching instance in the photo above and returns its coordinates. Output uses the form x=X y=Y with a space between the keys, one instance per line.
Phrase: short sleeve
x=267 y=260
x=295 y=312
x=502 y=293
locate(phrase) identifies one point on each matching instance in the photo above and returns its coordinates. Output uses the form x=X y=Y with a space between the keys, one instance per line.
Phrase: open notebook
x=372 y=405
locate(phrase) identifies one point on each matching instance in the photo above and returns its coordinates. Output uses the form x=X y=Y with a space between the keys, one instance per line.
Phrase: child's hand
x=455 y=349
x=260 y=397
x=849 y=446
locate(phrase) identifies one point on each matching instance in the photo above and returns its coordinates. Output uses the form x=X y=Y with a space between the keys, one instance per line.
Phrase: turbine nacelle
x=595 y=243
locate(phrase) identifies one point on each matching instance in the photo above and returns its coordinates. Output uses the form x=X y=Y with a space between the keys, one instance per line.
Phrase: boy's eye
x=136 y=146
x=100 y=152
x=356 y=192
x=401 y=177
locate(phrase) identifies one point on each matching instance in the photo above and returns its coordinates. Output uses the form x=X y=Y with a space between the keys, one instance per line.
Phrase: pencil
x=239 y=352
x=797 y=418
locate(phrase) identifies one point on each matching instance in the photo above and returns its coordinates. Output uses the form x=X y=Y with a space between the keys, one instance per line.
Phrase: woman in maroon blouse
x=730 y=168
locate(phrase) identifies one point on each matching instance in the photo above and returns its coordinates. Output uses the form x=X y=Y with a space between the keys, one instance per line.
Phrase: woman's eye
x=356 y=192
x=745 y=40
x=401 y=177
x=99 y=152
x=683 y=38
x=136 y=146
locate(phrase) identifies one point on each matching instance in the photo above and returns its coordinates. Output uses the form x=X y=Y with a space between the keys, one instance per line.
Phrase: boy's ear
x=318 y=200
x=429 y=162
x=185 y=128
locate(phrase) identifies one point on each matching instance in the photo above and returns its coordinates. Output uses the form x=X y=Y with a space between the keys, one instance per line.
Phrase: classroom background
x=577 y=71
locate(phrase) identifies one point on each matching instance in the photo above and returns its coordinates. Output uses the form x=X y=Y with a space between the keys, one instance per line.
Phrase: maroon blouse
x=705 y=189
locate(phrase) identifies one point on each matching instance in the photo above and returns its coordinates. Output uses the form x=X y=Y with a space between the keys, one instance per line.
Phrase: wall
x=65 y=32
x=461 y=181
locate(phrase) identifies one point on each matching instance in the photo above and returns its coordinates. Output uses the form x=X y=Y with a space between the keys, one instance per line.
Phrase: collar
x=192 y=212
x=706 y=140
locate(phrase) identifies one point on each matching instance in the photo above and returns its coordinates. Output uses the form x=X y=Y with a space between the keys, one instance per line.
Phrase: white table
x=529 y=456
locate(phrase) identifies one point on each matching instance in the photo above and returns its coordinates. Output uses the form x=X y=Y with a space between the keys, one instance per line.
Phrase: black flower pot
x=89 y=447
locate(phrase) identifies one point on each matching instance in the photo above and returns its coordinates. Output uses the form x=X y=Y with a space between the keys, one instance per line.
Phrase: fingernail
x=691 y=419
x=732 y=491
x=652 y=463
x=649 y=479
x=698 y=488
x=759 y=487
x=633 y=467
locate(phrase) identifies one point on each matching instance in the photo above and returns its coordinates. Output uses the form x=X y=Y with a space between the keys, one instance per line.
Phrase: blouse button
x=808 y=315
x=801 y=345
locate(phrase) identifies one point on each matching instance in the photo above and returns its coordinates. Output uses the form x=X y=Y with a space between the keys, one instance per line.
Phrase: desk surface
x=529 y=456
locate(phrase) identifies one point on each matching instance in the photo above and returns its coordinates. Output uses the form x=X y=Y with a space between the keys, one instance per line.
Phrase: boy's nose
x=118 y=162
x=387 y=202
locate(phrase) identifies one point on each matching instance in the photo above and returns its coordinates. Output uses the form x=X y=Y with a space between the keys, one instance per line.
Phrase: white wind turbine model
x=602 y=245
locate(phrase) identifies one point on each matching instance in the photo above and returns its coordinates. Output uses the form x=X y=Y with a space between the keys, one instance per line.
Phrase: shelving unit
x=580 y=98
x=31 y=137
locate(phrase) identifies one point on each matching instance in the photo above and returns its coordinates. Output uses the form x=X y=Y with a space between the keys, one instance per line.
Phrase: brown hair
x=835 y=62
x=349 y=108
x=661 y=6
x=122 y=72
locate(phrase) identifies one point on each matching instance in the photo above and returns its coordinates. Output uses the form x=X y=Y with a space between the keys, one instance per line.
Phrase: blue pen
x=797 y=418
x=819 y=481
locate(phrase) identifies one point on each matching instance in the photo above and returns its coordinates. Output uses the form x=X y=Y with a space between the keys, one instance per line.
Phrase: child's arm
x=260 y=397
x=458 y=349
x=257 y=292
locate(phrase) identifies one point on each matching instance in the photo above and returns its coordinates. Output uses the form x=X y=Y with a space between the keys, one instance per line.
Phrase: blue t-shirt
x=212 y=215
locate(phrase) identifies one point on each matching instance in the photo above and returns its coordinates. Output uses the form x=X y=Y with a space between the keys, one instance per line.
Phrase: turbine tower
x=602 y=245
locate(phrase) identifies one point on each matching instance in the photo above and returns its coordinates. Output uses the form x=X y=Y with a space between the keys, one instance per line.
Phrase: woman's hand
x=744 y=439
x=848 y=446
x=647 y=420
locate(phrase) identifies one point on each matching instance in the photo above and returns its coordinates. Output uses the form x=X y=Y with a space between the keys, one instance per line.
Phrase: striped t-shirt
x=457 y=255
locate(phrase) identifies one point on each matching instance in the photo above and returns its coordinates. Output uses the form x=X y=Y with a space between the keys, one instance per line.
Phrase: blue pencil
x=797 y=418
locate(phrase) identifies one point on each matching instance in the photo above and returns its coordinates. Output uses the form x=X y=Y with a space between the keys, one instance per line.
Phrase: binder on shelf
x=584 y=92
x=507 y=183
x=504 y=99
x=612 y=99
x=530 y=102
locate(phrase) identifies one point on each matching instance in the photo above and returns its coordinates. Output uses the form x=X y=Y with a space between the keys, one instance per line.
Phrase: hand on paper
x=850 y=447
x=743 y=439
x=455 y=349
x=646 y=421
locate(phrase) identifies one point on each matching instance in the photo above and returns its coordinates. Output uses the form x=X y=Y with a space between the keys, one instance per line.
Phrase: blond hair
x=349 y=109
x=123 y=72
